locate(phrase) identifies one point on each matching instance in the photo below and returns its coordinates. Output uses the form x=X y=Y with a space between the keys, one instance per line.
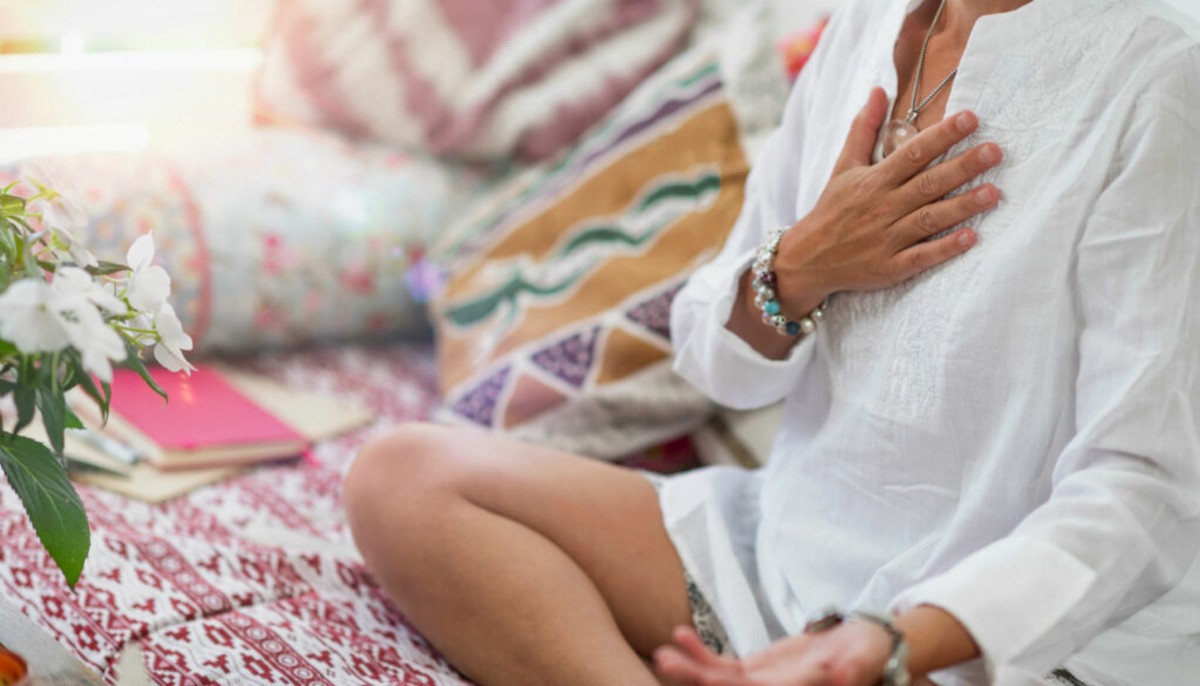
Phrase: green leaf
x=11 y=204
x=54 y=507
x=72 y=420
x=134 y=361
x=54 y=416
x=25 y=398
x=106 y=268
x=94 y=392
x=25 y=225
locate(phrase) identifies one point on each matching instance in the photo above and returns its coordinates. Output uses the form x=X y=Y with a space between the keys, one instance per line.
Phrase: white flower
x=63 y=216
x=78 y=301
x=27 y=317
x=40 y=317
x=60 y=212
x=69 y=281
x=169 y=351
x=74 y=252
x=142 y=322
x=97 y=343
x=79 y=254
x=148 y=285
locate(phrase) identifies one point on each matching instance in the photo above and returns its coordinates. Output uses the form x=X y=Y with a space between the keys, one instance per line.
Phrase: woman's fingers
x=680 y=667
x=690 y=643
x=939 y=216
x=922 y=256
x=933 y=183
x=912 y=157
x=674 y=664
x=691 y=661
x=864 y=131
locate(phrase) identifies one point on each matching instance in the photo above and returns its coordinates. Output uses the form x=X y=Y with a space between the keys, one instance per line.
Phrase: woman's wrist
x=926 y=638
x=746 y=322
x=936 y=640
x=800 y=290
x=768 y=296
x=769 y=315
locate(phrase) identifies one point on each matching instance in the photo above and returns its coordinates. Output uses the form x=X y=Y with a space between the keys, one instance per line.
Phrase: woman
x=990 y=436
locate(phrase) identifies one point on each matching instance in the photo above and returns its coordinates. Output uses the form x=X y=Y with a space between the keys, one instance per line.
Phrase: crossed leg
x=522 y=564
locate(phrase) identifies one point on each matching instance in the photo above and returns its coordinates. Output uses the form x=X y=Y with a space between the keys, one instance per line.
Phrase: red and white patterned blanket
x=254 y=580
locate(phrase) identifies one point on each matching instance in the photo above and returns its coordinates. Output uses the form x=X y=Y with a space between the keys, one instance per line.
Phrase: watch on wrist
x=895 y=670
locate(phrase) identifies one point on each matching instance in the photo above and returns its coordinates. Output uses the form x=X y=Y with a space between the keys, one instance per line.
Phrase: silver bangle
x=895 y=671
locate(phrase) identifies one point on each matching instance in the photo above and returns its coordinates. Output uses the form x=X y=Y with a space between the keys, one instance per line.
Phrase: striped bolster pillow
x=464 y=78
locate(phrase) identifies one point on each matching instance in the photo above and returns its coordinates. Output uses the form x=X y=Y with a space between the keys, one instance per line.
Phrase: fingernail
x=989 y=154
x=964 y=122
x=964 y=238
x=985 y=196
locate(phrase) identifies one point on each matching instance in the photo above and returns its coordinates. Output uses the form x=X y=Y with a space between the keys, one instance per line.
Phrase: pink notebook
x=206 y=422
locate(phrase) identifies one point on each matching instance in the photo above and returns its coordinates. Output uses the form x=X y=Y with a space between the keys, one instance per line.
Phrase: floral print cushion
x=273 y=237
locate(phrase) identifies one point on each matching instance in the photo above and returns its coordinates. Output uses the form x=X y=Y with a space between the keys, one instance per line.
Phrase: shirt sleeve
x=1122 y=525
x=710 y=357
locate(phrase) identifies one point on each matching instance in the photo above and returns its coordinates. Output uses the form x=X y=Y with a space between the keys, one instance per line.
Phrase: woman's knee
x=394 y=472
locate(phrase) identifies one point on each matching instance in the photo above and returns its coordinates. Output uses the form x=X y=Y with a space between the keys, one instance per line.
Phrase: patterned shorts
x=704 y=618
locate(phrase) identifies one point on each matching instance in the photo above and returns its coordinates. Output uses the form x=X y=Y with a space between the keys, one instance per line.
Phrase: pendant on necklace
x=896 y=134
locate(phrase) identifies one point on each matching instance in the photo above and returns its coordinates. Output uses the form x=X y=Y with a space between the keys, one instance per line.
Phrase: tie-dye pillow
x=464 y=78
x=553 y=325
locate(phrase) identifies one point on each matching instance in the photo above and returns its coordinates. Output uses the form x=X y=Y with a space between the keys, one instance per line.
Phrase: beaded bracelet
x=766 y=299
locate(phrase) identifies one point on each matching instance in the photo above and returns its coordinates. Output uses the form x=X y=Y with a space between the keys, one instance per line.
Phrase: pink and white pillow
x=464 y=78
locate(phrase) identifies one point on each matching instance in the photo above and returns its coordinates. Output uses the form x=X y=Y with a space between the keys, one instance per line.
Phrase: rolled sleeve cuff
x=726 y=368
x=1011 y=597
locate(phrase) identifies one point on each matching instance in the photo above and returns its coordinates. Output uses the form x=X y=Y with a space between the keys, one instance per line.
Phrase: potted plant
x=65 y=319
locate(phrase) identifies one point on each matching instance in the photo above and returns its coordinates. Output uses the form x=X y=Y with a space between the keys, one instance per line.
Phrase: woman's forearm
x=936 y=640
x=746 y=321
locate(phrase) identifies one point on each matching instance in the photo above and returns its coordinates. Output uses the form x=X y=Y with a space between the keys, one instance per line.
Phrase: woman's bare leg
x=522 y=564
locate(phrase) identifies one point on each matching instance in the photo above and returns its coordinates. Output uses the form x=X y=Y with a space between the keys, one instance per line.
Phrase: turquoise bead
x=772 y=307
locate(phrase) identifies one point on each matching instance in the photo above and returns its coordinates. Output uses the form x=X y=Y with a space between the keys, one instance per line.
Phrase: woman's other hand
x=870 y=228
x=851 y=654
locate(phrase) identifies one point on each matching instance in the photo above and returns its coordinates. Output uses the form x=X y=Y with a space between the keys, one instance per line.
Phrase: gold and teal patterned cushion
x=553 y=325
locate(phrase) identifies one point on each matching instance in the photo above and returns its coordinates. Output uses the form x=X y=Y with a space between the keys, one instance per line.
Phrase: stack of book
x=216 y=423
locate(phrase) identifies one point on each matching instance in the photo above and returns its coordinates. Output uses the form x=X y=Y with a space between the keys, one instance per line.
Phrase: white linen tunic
x=1013 y=436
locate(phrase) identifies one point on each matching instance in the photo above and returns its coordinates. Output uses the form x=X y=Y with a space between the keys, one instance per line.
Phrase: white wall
x=1190 y=6
x=191 y=71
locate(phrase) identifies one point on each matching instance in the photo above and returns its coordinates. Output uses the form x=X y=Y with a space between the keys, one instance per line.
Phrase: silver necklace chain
x=914 y=109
